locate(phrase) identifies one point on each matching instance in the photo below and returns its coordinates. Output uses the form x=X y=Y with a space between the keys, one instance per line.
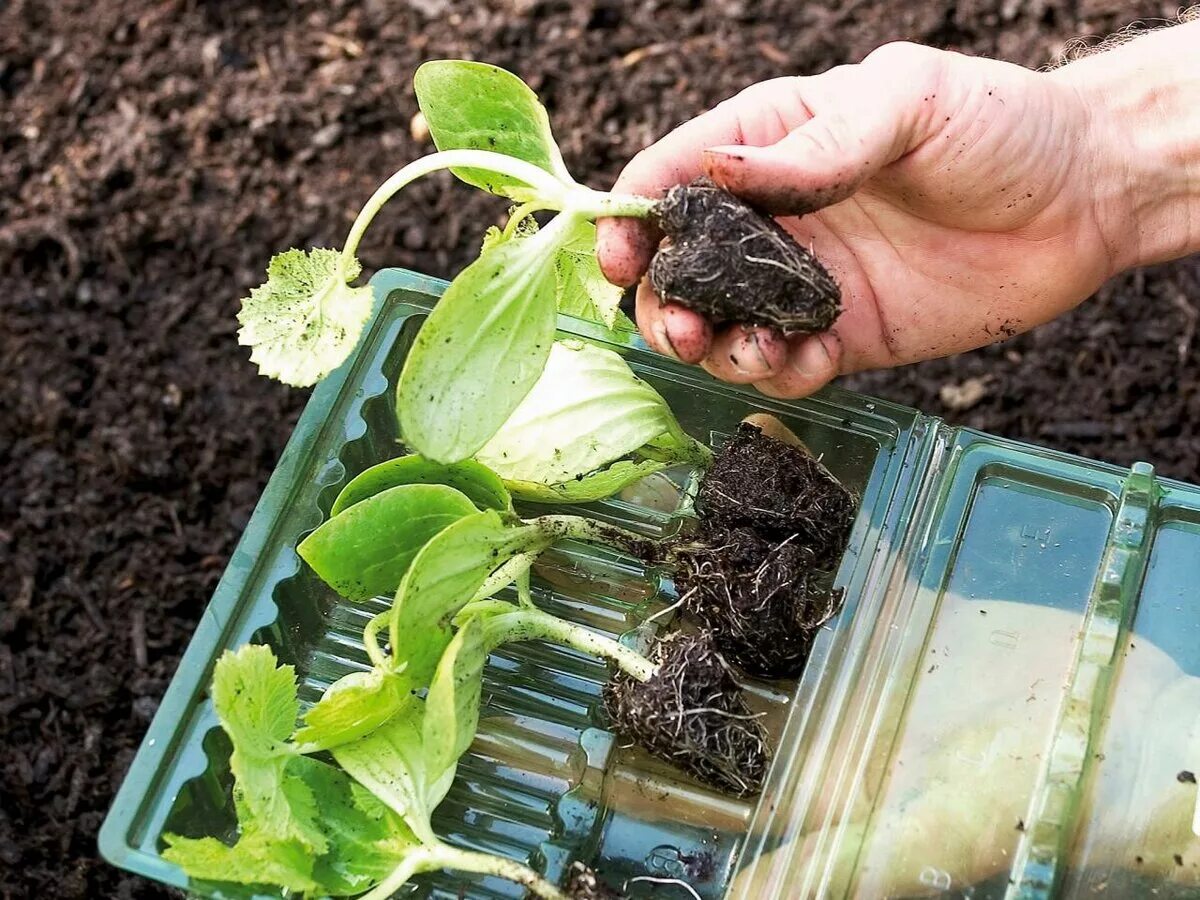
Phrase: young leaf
x=587 y=410
x=354 y=705
x=366 y=840
x=452 y=705
x=445 y=576
x=596 y=485
x=475 y=106
x=256 y=702
x=480 y=484
x=390 y=763
x=481 y=349
x=365 y=550
x=305 y=319
x=583 y=291
x=255 y=859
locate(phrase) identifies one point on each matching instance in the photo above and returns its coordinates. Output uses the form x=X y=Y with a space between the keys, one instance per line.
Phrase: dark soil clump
x=692 y=714
x=733 y=264
x=763 y=600
x=781 y=492
x=584 y=884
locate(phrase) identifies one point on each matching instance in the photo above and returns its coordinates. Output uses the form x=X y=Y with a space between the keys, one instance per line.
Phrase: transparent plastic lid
x=1006 y=705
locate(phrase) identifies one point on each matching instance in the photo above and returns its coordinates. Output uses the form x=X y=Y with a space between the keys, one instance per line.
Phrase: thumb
x=864 y=118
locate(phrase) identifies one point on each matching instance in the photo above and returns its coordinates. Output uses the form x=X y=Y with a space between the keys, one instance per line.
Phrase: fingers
x=761 y=114
x=745 y=355
x=671 y=329
x=812 y=362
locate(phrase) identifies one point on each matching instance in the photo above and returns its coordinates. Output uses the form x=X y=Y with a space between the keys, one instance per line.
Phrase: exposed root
x=692 y=713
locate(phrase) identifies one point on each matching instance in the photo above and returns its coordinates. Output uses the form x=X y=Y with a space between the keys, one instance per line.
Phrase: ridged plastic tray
x=974 y=562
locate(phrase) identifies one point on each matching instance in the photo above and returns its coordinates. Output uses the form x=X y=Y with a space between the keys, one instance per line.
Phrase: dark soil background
x=154 y=154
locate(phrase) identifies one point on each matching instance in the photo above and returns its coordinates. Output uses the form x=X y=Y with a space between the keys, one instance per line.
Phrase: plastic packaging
x=1008 y=704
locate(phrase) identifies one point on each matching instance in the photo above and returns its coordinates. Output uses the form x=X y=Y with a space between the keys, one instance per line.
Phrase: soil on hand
x=584 y=884
x=154 y=153
x=780 y=491
x=763 y=600
x=692 y=713
x=734 y=264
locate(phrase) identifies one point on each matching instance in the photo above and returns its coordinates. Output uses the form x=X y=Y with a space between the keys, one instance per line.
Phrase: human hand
x=959 y=201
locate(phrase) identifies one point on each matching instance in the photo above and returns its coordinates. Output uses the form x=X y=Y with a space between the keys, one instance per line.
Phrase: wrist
x=1143 y=141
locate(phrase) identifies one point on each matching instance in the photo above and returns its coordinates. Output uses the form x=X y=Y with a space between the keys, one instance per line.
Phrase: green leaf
x=475 y=106
x=365 y=550
x=452 y=705
x=305 y=320
x=480 y=351
x=444 y=577
x=597 y=485
x=353 y=706
x=254 y=859
x=366 y=840
x=587 y=410
x=390 y=763
x=479 y=483
x=583 y=291
x=255 y=700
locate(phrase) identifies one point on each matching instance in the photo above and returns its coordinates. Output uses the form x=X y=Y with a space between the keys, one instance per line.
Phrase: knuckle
x=903 y=54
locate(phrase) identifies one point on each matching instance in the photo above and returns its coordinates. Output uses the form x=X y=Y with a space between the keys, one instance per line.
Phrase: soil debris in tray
x=584 y=884
x=781 y=492
x=731 y=263
x=692 y=713
x=763 y=600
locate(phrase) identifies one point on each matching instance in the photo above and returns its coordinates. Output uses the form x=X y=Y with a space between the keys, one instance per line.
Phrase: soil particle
x=584 y=884
x=734 y=264
x=692 y=713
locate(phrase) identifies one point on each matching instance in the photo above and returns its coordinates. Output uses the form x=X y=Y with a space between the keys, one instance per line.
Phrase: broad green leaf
x=254 y=859
x=598 y=485
x=255 y=700
x=583 y=291
x=587 y=410
x=366 y=840
x=390 y=763
x=476 y=106
x=452 y=705
x=305 y=319
x=353 y=706
x=479 y=483
x=365 y=550
x=444 y=577
x=480 y=351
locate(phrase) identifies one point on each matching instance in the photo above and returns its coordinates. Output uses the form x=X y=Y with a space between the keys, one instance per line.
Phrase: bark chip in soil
x=584 y=884
x=692 y=713
x=731 y=263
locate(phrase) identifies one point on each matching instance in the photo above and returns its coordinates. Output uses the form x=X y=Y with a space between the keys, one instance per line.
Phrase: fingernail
x=747 y=356
x=664 y=339
x=810 y=359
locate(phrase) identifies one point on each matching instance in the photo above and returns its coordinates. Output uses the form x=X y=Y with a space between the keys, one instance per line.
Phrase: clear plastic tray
x=1006 y=706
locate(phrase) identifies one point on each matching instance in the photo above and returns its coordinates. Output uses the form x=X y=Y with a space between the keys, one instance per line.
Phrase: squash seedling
x=363 y=829
x=487 y=340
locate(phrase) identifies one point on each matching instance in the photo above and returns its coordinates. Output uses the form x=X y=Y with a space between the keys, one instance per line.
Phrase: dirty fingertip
x=690 y=335
x=624 y=248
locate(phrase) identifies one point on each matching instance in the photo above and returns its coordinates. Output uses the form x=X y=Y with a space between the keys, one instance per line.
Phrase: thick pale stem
x=449 y=857
x=534 y=625
x=550 y=191
x=513 y=570
x=579 y=528
x=371 y=638
x=598 y=204
x=422 y=859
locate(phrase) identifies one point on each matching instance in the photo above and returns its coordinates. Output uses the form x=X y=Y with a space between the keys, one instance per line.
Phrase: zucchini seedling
x=487 y=340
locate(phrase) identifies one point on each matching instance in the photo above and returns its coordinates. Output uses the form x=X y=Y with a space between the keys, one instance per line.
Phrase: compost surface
x=154 y=154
